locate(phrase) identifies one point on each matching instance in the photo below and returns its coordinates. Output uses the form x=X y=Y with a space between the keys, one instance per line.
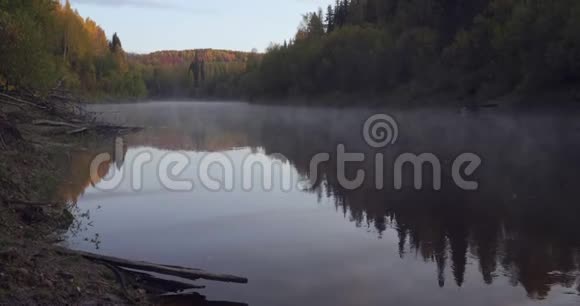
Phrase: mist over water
x=514 y=241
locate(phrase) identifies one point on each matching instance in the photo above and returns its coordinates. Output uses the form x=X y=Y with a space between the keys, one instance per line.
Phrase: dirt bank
x=31 y=270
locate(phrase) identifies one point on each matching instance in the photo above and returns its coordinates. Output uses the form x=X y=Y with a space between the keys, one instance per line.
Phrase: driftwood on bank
x=78 y=131
x=58 y=103
x=186 y=273
x=78 y=128
x=20 y=101
x=11 y=103
x=62 y=105
x=159 y=285
x=55 y=123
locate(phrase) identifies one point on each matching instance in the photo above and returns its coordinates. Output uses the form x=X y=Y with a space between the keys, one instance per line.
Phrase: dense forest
x=478 y=48
x=482 y=48
x=46 y=46
x=193 y=73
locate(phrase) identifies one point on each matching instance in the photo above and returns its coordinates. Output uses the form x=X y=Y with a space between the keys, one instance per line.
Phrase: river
x=248 y=202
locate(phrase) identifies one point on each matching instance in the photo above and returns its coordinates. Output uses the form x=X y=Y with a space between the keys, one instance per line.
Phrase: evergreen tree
x=341 y=12
x=337 y=14
x=329 y=19
x=316 y=25
x=115 y=44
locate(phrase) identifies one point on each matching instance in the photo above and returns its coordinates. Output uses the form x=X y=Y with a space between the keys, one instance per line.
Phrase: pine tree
x=336 y=14
x=341 y=13
x=329 y=19
x=115 y=44
x=316 y=25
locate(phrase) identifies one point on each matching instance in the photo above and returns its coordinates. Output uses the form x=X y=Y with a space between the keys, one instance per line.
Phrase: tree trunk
x=186 y=273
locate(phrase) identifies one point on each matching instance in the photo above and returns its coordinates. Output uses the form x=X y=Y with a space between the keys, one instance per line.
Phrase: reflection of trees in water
x=521 y=223
x=79 y=176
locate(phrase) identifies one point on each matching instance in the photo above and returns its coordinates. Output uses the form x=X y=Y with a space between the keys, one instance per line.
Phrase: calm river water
x=309 y=240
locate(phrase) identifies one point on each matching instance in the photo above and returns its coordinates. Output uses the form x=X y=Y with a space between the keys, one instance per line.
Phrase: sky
x=151 y=25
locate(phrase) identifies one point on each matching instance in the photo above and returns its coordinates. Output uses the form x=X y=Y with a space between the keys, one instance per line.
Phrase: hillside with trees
x=473 y=49
x=46 y=45
x=192 y=73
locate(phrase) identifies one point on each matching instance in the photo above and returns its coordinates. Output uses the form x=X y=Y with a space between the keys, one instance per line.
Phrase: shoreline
x=35 y=268
x=32 y=271
x=403 y=98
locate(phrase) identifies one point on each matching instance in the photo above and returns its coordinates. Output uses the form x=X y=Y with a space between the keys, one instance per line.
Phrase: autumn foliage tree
x=45 y=44
x=193 y=73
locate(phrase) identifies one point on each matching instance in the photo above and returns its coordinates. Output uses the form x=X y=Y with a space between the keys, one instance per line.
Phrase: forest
x=47 y=46
x=474 y=49
x=192 y=73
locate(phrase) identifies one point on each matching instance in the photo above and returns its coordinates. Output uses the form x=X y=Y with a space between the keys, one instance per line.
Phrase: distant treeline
x=474 y=48
x=193 y=73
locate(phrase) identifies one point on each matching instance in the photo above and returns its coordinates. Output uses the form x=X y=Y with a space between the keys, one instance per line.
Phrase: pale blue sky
x=150 y=25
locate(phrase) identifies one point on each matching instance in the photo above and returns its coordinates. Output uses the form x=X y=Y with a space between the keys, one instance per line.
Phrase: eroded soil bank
x=32 y=218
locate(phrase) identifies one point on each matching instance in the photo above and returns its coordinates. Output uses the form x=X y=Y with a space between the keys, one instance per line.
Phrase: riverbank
x=37 y=139
x=31 y=269
x=421 y=96
x=410 y=96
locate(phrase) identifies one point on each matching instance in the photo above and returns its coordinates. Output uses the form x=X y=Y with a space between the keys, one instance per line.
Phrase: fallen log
x=77 y=131
x=55 y=123
x=12 y=104
x=3 y=95
x=79 y=127
x=159 y=285
x=186 y=273
x=117 y=127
